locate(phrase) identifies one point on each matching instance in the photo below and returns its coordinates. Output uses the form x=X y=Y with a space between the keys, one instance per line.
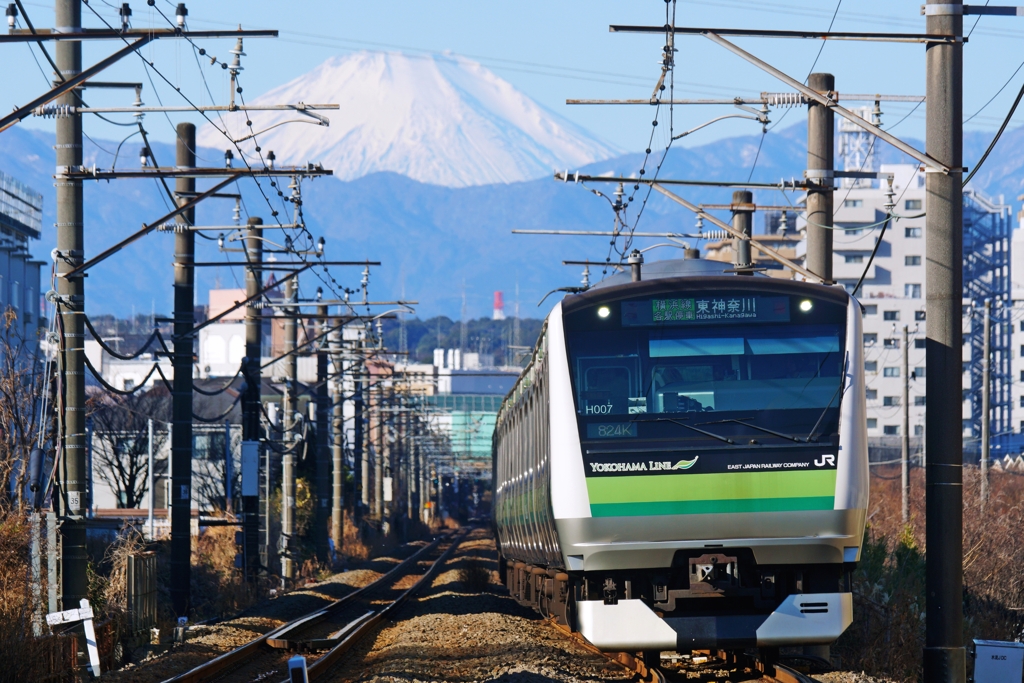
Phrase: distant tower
x=857 y=146
x=462 y=328
x=499 y=306
x=516 y=335
x=403 y=333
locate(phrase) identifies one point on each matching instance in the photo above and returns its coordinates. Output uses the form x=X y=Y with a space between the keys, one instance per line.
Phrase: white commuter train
x=683 y=464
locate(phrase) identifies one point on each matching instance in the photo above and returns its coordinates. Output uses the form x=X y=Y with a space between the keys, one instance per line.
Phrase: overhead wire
x=223 y=415
x=991 y=99
x=151 y=66
x=258 y=149
x=668 y=70
x=764 y=131
x=813 y=64
x=999 y=133
x=976 y=21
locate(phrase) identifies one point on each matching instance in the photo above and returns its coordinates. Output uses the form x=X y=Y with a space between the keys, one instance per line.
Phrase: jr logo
x=826 y=459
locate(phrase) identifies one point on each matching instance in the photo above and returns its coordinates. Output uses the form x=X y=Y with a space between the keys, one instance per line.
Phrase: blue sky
x=551 y=51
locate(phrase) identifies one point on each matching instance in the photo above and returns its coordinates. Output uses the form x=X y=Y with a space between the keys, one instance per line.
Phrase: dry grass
x=887 y=634
x=24 y=657
x=218 y=588
x=352 y=545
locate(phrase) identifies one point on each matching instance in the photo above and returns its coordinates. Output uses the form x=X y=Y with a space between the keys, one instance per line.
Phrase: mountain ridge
x=442 y=119
x=430 y=238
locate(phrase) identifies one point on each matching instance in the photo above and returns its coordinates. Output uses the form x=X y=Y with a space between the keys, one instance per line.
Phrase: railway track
x=326 y=634
x=721 y=660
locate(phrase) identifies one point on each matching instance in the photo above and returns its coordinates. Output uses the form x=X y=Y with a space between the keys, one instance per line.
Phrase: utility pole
x=338 y=441
x=251 y=401
x=71 y=245
x=182 y=362
x=289 y=423
x=944 y=654
x=229 y=494
x=324 y=483
x=378 y=460
x=422 y=492
x=409 y=469
x=150 y=476
x=820 y=170
x=986 y=384
x=742 y=220
x=361 y=435
x=905 y=428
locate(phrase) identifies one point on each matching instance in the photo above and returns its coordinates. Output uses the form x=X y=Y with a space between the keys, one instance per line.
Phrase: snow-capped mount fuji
x=439 y=119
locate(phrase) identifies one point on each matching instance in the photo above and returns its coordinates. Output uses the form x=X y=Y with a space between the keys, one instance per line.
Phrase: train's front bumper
x=630 y=625
x=613 y=543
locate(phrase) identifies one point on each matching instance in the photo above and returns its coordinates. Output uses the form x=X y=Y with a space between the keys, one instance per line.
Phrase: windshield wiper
x=757 y=427
x=813 y=436
x=691 y=427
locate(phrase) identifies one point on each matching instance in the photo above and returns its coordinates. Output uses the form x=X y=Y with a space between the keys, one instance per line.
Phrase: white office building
x=893 y=294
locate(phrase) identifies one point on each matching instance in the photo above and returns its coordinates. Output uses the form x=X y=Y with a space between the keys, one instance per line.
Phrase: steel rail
x=363 y=625
x=626 y=660
x=219 y=665
x=772 y=672
x=783 y=674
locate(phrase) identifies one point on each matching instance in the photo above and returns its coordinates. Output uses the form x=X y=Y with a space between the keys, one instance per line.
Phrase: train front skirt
x=631 y=625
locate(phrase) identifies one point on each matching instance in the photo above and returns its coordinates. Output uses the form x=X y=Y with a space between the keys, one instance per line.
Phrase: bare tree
x=21 y=384
x=121 y=440
x=210 y=447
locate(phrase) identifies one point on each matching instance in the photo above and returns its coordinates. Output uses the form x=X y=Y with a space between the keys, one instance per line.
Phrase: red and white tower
x=499 y=306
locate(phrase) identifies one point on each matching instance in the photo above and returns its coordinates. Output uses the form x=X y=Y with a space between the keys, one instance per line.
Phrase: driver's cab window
x=609 y=385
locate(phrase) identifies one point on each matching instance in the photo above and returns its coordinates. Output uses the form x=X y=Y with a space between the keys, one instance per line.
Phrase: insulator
x=54 y=111
x=784 y=99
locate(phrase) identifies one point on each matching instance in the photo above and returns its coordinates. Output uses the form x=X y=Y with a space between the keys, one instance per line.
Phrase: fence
x=141 y=592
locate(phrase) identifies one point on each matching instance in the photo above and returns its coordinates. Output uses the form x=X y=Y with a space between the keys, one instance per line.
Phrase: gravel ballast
x=453 y=632
x=204 y=642
x=459 y=633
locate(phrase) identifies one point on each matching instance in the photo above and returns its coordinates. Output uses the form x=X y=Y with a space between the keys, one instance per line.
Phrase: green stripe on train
x=712 y=487
x=707 y=507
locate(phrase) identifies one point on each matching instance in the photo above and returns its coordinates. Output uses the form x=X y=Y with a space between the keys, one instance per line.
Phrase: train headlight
x=604 y=312
x=806 y=305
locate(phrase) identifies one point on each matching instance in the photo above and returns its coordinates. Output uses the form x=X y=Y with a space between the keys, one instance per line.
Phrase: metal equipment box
x=996 y=661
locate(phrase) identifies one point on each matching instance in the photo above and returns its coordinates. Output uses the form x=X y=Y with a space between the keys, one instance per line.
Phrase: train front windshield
x=708 y=366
